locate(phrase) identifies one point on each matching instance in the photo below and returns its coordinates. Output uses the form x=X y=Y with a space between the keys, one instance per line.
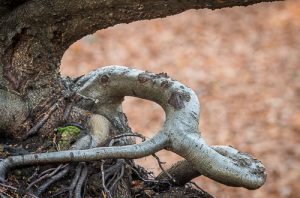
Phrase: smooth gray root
x=103 y=91
x=183 y=171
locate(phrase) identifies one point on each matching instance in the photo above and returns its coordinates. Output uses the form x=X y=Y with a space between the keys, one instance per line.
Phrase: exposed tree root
x=52 y=180
x=75 y=179
x=162 y=168
x=45 y=175
x=145 y=185
x=102 y=92
x=4 y=191
x=81 y=181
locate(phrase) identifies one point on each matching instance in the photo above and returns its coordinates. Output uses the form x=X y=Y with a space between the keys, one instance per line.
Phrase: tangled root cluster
x=100 y=157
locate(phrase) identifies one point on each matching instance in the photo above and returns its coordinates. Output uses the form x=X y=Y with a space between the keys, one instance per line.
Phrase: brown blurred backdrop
x=244 y=64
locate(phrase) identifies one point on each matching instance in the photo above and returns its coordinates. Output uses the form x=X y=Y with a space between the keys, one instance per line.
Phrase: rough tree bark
x=35 y=99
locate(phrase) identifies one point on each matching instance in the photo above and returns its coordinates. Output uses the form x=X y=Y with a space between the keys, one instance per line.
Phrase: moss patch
x=68 y=135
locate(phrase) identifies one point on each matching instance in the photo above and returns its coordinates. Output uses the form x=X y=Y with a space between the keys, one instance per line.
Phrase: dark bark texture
x=34 y=34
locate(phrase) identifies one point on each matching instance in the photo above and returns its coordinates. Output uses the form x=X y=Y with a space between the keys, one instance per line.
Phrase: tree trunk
x=34 y=34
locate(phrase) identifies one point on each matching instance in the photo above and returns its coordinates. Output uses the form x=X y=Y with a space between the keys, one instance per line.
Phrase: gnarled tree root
x=183 y=172
x=102 y=92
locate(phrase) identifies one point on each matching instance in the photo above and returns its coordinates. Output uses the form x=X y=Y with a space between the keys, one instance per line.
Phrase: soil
x=244 y=64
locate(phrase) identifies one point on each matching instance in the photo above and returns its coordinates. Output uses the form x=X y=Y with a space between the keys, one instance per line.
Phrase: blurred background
x=244 y=64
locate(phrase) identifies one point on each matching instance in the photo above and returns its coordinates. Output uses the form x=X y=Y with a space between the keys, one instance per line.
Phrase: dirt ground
x=244 y=64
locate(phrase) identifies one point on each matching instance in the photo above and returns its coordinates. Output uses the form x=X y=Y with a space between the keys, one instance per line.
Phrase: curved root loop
x=102 y=92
